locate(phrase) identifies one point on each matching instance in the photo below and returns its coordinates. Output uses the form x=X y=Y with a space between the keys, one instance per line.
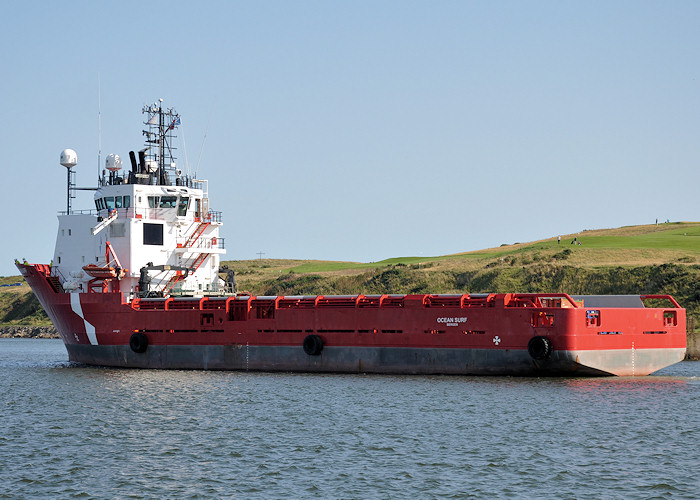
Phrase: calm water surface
x=70 y=431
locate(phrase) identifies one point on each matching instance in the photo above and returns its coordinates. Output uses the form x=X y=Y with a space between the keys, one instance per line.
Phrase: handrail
x=667 y=297
x=56 y=272
x=213 y=216
x=201 y=243
x=91 y=211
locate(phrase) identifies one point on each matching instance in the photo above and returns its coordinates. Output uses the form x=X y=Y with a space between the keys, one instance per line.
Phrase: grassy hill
x=649 y=259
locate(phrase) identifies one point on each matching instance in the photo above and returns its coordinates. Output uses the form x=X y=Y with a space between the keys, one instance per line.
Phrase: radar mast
x=160 y=134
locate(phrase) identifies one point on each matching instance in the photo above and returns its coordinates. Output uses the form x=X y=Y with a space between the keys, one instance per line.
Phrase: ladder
x=196 y=234
x=175 y=278
x=199 y=230
x=105 y=222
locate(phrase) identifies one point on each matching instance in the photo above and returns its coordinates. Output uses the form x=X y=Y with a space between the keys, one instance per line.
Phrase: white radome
x=113 y=163
x=69 y=158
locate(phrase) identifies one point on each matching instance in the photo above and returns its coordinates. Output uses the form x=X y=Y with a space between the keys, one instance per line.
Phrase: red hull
x=489 y=334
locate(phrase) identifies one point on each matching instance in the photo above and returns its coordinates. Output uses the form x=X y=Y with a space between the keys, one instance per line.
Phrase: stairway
x=197 y=261
x=55 y=284
x=196 y=234
x=172 y=281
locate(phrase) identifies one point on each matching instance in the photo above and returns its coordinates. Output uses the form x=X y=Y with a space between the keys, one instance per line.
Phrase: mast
x=160 y=134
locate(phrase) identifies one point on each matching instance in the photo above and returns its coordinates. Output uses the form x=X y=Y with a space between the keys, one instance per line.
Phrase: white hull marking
x=77 y=309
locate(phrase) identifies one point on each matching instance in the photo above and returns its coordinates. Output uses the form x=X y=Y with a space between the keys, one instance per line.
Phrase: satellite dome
x=69 y=158
x=113 y=163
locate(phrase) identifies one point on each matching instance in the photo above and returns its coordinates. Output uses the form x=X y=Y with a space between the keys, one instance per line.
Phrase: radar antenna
x=160 y=133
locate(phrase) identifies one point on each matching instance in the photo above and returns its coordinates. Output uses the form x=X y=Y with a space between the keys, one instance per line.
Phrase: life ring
x=539 y=348
x=313 y=345
x=138 y=342
x=213 y=241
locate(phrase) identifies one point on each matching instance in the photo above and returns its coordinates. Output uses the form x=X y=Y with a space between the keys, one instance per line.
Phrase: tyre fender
x=539 y=348
x=138 y=342
x=313 y=345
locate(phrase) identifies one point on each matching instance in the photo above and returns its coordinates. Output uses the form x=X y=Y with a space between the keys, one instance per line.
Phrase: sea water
x=71 y=431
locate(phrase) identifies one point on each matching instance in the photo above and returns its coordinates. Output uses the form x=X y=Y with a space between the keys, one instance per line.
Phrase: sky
x=362 y=130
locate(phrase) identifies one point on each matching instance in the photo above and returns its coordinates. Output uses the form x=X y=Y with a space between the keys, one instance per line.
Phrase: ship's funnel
x=134 y=166
x=142 y=160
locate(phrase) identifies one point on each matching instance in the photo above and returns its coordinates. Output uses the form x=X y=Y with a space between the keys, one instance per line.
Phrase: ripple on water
x=73 y=431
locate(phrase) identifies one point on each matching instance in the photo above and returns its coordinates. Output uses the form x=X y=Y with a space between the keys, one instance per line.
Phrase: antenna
x=184 y=146
x=99 y=129
x=196 y=169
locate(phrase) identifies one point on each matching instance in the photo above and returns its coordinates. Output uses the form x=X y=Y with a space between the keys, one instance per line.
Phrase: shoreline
x=29 y=332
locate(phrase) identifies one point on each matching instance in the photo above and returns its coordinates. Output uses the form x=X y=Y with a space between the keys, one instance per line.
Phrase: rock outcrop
x=29 y=332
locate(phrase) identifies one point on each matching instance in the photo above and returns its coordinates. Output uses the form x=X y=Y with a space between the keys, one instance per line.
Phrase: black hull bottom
x=406 y=361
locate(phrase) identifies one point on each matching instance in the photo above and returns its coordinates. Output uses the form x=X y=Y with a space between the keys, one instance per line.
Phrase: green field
x=652 y=244
x=650 y=259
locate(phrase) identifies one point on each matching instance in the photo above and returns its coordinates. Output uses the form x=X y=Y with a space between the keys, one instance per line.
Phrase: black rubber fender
x=313 y=345
x=138 y=342
x=539 y=348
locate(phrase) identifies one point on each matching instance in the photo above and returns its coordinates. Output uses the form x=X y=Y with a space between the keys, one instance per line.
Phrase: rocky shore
x=28 y=332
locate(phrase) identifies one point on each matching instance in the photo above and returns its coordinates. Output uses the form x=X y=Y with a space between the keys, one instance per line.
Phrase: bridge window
x=182 y=206
x=153 y=201
x=109 y=202
x=168 y=201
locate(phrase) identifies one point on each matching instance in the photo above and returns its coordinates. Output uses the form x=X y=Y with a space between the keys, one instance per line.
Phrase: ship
x=135 y=282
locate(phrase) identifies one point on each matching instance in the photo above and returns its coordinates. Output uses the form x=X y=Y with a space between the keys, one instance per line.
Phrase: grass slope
x=651 y=259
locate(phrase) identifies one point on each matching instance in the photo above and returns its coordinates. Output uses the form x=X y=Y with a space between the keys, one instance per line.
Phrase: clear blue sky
x=363 y=130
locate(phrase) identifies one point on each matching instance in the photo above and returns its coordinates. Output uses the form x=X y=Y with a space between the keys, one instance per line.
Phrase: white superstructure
x=151 y=230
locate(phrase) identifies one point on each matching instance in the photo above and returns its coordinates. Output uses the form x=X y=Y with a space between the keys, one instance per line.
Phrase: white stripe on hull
x=77 y=309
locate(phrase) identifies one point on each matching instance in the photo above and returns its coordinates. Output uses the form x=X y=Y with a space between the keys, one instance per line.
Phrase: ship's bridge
x=176 y=204
x=150 y=218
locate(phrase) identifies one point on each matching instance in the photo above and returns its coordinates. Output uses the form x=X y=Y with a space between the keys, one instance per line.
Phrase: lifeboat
x=104 y=272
